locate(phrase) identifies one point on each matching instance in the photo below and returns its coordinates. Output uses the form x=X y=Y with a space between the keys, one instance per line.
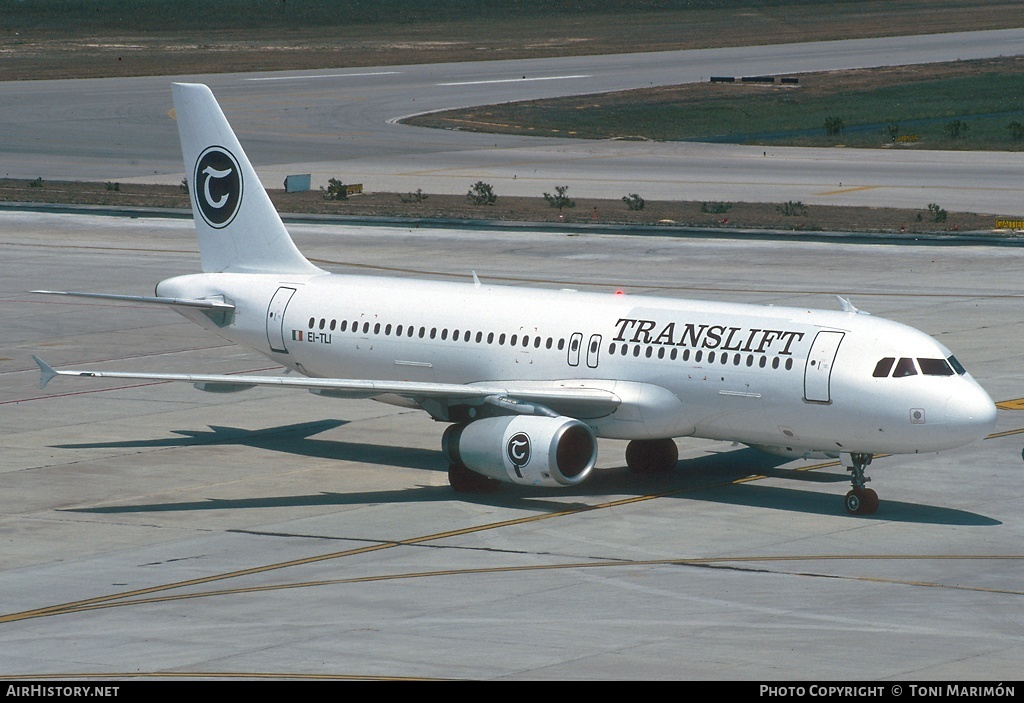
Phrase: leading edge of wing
x=553 y=392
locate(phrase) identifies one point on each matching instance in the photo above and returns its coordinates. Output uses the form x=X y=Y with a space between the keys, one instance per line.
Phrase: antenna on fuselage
x=846 y=306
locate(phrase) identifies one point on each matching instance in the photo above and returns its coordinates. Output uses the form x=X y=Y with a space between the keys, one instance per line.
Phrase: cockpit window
x=883 y=367
x=904 y=367
x=934 y=367
x=957 y=366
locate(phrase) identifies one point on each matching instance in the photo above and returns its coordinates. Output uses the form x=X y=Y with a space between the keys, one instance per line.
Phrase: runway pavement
x=343 y=124
x=151 y=530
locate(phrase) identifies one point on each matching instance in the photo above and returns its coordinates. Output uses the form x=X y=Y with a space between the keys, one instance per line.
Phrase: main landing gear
x=648 y=456
x=860 y=500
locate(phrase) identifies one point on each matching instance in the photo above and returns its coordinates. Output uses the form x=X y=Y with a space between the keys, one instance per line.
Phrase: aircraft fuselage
x=794 y=380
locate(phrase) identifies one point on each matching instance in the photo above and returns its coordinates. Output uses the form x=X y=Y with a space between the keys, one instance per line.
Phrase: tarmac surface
x=344 y=124
x=151 y=530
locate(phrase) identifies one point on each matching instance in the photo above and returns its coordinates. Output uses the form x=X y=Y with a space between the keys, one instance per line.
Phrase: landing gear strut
x=648 y=456
x=860 y=500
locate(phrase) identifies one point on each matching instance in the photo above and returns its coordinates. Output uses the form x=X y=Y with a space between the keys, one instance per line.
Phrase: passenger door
x=818 y=371
x=275 y=319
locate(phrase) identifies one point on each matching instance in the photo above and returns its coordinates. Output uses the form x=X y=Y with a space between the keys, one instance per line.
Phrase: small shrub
x=114 y=186
x=184 y=186
x=482 y=194
x=956 y=129
x=792 y=209
x=418 y=197
x=715 y=208
x=37 y=183
x=1016 y=131
x=560 y=199
x=938 y=214
x=834 y=125
x=335 y=190
x=634 y=202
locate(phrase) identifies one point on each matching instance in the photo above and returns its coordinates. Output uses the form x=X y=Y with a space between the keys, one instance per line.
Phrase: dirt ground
x=55 y=49
x=514 y=209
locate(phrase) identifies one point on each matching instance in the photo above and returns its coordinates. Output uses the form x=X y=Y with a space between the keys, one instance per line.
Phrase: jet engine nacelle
x=524 y=449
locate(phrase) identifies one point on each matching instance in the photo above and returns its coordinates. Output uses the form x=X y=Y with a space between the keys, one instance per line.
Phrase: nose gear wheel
x=860 y=500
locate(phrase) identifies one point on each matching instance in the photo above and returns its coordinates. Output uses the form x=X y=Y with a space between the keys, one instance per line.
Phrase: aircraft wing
x=517 y=398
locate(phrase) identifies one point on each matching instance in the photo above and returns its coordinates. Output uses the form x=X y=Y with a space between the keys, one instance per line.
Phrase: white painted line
x=325 y=75
x=515 y=80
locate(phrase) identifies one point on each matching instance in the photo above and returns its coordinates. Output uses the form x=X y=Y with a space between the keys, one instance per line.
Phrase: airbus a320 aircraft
x=529 y=379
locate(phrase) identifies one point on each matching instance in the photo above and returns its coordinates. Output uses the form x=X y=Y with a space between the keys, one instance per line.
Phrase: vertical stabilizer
x=238 y=227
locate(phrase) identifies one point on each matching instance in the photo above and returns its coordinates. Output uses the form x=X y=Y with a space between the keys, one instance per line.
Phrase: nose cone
x=970 y=415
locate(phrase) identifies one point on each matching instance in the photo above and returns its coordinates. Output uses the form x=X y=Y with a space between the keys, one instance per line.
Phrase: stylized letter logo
x=518 y=450
x=218 y=186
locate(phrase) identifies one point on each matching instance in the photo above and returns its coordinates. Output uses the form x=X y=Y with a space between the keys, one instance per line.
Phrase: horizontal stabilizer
x=220 y=312
x=147 y=299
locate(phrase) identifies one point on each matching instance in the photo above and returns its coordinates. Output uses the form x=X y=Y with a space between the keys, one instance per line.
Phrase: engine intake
x=524 y=449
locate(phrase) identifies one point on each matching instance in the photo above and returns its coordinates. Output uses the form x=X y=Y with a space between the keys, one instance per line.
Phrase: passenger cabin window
x=934 y=367
x=904 y=367
x=883 y=367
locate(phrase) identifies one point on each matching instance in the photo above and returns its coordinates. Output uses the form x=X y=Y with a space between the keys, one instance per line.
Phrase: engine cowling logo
x=218 y=186
x=518 y=450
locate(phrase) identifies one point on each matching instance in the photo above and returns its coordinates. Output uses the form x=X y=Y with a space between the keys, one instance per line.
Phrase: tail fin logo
x=218 y=186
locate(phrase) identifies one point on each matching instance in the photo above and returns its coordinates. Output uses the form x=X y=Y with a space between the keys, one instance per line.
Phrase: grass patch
x=913 y=106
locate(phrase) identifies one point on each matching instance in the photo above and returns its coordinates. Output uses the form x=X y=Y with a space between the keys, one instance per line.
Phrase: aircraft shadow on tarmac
x=715 y=478
x=291 y=439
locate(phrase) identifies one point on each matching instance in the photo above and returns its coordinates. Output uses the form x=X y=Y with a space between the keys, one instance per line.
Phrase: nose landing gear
x=860 y=500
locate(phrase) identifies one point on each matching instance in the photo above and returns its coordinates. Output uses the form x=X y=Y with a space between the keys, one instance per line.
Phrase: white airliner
x=529 y=379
